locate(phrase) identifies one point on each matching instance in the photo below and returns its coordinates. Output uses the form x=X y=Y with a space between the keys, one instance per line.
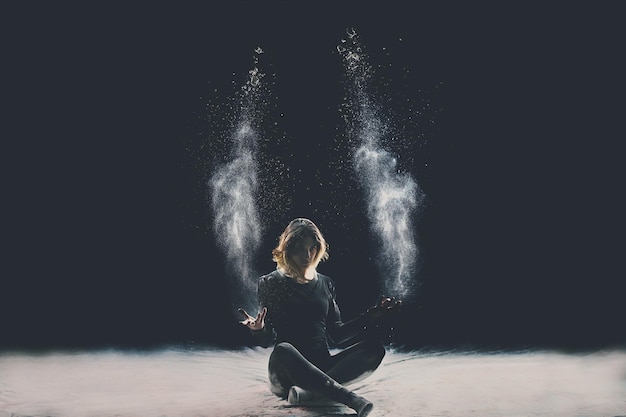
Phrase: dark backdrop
x=110 y=114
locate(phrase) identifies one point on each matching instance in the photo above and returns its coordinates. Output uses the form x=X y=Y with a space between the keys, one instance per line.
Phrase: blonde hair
x=295 y=231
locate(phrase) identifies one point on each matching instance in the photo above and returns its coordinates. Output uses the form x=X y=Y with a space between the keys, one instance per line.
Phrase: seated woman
x=298 y=313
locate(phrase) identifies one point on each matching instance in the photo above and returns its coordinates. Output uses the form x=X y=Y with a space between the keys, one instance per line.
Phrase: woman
x=299 y=311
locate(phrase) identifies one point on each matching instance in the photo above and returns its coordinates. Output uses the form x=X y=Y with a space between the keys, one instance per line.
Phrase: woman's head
x=300 y=246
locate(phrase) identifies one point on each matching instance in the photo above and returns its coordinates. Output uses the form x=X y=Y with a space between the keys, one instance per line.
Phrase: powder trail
x=392 y=196
x=234 y=188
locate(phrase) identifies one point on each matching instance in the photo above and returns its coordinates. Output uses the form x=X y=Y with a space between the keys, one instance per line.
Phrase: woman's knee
x=281 y=359
x=284 y=353
x=284 y=349
x=376 y=348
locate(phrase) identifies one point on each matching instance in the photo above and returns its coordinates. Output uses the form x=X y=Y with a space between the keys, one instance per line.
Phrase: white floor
x=212 y=383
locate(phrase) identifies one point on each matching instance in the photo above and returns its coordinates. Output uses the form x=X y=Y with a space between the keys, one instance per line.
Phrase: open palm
x=253 y=323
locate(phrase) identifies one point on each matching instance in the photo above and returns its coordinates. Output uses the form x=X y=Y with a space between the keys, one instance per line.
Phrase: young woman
x=298 y=313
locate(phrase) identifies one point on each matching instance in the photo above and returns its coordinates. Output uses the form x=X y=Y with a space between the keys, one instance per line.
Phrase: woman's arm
x=340 y=331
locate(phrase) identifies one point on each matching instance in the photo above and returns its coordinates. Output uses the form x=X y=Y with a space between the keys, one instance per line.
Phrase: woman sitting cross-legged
x=298 y=314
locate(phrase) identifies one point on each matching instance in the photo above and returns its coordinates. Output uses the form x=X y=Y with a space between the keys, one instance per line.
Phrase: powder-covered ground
x=217 y=383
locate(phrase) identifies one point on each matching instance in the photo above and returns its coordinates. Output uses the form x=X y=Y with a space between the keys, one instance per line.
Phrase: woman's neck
x=302 y=276
x=306 y=275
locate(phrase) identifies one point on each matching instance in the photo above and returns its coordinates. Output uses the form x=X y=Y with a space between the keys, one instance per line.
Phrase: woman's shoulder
x=326 y=281
x=273 y=277
x=324 y=278
x=274 y=289
x=277 y=278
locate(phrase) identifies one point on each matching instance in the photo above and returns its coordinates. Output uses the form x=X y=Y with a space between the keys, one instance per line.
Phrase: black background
x=111 y=113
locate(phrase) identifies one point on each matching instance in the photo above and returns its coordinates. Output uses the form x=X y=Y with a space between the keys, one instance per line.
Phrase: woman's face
x=304 y=252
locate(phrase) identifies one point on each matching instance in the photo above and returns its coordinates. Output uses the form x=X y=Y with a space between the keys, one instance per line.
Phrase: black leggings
x=287 y=367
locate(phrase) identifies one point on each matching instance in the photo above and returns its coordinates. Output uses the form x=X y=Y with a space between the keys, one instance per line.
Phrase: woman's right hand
x=252 y=323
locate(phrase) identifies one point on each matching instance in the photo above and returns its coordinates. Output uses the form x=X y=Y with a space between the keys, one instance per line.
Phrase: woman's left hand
x=385 y=306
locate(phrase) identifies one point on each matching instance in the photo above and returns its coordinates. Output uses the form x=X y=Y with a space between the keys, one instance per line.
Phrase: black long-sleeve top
x=305 y=315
